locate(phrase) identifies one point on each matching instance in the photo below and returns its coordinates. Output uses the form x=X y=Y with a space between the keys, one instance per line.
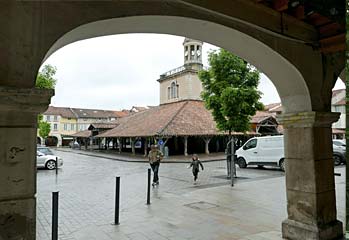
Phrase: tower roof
x=190 y=40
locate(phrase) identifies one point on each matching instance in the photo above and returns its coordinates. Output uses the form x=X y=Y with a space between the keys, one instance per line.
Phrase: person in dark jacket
x=155 y=156
x=195 y=166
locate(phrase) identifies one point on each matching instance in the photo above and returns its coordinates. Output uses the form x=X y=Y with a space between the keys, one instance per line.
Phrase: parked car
x=269 y=151
x=339 y=142
x=339 y=150
x=47 y=161
x=74 y=145
x=44 y=150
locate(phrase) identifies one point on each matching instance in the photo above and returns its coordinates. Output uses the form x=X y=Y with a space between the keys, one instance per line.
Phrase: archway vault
x=287 y=79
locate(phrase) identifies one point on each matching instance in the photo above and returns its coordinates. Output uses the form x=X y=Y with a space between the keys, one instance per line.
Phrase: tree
x=44 y=129
x=230 y=92
x=45 y=78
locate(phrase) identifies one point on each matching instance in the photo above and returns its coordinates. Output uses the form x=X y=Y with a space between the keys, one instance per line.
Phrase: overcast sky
x=120 y=71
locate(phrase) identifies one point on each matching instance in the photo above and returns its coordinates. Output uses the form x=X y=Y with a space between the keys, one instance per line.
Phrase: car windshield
x=45 y=151
x=338 y=143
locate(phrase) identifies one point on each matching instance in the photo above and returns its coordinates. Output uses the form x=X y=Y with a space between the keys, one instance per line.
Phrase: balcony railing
x=172 y=72
x=178 y=70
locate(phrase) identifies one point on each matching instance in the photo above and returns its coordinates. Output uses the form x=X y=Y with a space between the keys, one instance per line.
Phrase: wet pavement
x=210 y=209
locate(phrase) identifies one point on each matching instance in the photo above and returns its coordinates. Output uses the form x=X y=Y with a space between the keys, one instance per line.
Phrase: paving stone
x=179 y=210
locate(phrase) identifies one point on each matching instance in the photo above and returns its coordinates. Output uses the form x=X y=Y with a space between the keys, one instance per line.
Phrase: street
x=86 y=188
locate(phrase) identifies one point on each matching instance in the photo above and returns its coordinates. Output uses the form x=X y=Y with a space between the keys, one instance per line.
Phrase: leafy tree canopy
x=230 y=91
x=45 y=78
x=44 y=129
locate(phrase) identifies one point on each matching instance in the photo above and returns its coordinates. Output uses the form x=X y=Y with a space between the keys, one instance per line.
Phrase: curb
x=136 y=161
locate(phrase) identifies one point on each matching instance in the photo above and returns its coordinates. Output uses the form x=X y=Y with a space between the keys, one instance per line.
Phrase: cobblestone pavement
x=211 y=209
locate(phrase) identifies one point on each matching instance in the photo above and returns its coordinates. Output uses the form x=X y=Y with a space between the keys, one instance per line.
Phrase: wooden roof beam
x=333 y=44
x=280 y=5
x=253 y=13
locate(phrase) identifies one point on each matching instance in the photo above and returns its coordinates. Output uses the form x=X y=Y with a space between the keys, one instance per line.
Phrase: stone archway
x=302 y=75
x=287 y=79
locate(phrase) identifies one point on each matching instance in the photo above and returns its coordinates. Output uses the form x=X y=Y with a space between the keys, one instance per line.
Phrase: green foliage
x=230 y=91
x=40 y=118
x=44 y=129
x=45 y=78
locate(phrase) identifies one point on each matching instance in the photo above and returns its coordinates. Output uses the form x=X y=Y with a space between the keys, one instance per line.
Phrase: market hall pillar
x=310 y=185
x=18 y=130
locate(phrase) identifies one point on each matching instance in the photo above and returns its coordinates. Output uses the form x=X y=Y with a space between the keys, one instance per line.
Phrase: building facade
x=67 y=121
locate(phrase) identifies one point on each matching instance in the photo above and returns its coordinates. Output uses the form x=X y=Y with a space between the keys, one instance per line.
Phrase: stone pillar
x=310 y=186
x=133 y=141
x=119 y=140
x=18 y=130
x=207 y=142
x=185 y=145
x=146 y=147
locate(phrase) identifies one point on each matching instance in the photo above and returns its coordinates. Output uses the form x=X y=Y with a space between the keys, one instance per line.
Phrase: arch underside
x=287 y=79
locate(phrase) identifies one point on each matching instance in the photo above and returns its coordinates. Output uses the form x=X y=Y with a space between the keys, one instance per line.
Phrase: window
x=65 y=126
x=48 y=118
x=173 y=91
x=168 y=93
x=72 y=127
x=251 y=144
x=186 y=53
x=55 y=127
x=192 y=52
x=55 y=118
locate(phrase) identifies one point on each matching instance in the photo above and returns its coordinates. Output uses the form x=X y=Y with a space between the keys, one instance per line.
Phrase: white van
x=262 y=151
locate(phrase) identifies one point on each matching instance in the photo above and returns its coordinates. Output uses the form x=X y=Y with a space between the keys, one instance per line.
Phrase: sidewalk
x=128 y=157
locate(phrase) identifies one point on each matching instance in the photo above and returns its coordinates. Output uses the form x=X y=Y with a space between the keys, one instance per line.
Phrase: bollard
x=55 y=215
x=148 y=193
x=56 y=165
x=117 y=201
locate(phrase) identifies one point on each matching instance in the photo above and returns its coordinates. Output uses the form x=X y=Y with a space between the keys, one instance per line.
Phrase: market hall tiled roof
x=184 y=118
x=106 y=125
x=82 y=134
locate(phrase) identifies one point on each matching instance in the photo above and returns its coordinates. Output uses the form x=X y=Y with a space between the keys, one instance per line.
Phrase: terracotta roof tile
x=82 y=134
x=185 y=118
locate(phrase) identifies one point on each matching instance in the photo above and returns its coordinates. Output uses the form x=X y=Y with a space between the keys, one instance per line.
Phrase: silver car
x=46 y=159
x=339 y=152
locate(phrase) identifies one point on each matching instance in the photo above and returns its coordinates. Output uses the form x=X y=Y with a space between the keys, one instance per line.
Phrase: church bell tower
x=192 y=53
x=183 y=83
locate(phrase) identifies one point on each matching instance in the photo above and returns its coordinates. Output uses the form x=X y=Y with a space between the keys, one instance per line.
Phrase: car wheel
x=282 y=165
x=337 y=160
x=50 y=164
x=242 y=163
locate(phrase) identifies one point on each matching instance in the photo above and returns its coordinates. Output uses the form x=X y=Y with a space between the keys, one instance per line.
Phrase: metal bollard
x=117 y=201
x=56 y=165
x=148 y=193
x=55 y=215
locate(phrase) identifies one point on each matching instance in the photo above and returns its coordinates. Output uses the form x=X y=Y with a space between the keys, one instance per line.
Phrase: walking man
x=155 y=156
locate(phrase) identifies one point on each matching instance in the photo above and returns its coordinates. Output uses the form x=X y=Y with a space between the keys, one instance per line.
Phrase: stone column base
x=294 y=230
